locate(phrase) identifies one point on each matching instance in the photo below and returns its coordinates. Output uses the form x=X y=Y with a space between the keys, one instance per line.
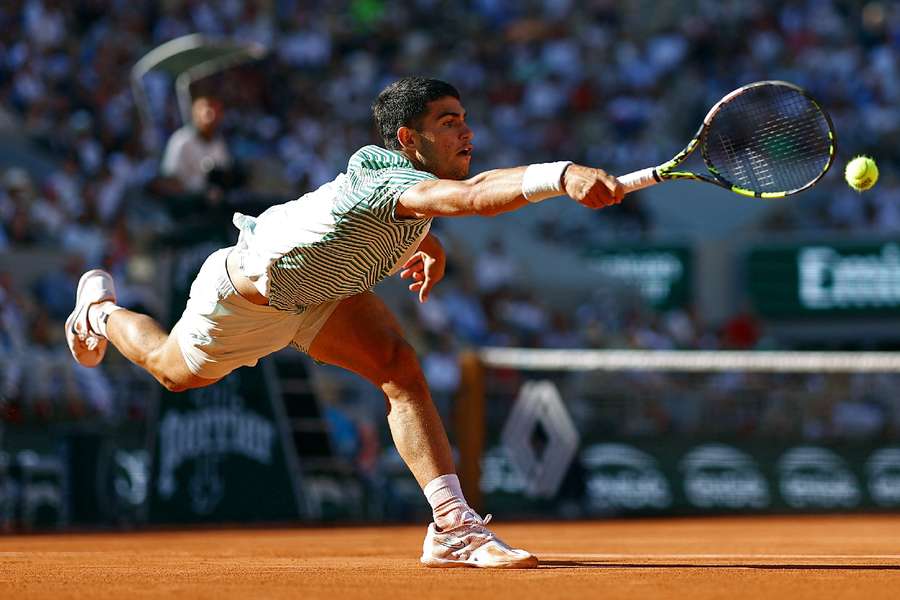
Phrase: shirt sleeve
x=172 y=155
x=393 y=182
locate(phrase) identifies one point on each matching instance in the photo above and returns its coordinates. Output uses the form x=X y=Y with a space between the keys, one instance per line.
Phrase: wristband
x=544 y=180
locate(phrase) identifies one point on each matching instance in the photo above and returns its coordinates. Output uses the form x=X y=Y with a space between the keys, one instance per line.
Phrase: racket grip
x=638 y=180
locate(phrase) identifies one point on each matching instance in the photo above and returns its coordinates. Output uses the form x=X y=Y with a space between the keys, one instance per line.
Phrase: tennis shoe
x=472 y=544
x=88 y=347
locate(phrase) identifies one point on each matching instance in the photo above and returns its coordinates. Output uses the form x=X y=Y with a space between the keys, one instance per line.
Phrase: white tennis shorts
x=220 y=330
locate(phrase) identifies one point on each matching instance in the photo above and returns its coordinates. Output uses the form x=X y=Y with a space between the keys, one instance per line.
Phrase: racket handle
x=638 y=180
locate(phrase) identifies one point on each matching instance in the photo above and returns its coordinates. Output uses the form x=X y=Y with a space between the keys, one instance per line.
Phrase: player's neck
x=413 y=158
x=416 y=160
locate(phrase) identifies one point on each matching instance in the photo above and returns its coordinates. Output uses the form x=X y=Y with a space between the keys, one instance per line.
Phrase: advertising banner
x=680 y=476
x=825 y=280
x=220 y=454
x=661 y=274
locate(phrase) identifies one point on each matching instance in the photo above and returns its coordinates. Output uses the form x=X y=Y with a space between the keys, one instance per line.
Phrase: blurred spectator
x=594 y=82
x=53 y=289
x=742 y=331
x=465 y=312
x=523 y=313
x=196 y=150
x=13 y=342
x=198 y=174
x=19 y=203
x=442 y=371
x=494 y=268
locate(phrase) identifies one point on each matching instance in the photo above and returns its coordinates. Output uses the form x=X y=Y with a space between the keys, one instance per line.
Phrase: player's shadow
x=599 y=564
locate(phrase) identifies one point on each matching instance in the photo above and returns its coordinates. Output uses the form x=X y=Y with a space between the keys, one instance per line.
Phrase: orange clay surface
x=748 y=557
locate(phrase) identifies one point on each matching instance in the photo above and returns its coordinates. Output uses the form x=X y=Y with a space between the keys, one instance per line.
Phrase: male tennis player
x=301 y=274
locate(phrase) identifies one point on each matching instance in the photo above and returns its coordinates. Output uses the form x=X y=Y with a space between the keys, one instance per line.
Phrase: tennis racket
x=767 y=139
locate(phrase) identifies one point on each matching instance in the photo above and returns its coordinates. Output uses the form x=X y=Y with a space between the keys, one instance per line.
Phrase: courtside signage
x=540 y=438
x=624 y=478
x=816 y=477
x=211 y=431
x=218 y=455
x=499 y=475
x=680 y=476
x=825 y=279
x=883 y=471
x=660 y=274
x=721 y=476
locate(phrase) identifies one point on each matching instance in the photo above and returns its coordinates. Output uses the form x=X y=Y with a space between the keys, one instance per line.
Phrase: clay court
x=748 y=557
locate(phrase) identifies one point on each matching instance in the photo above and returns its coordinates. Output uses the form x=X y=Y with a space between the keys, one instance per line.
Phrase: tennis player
x=301 y=274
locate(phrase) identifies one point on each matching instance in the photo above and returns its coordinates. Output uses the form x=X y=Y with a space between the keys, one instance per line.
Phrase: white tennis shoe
x=88 y=348
x=471 y=544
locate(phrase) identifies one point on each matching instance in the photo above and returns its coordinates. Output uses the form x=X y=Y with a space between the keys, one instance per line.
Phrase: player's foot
x=87 y=346
x=472 y=544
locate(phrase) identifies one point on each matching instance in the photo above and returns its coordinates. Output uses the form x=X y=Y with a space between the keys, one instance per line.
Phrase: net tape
x=691 y=360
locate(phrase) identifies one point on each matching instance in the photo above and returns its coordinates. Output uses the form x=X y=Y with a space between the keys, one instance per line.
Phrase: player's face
x=444 y=141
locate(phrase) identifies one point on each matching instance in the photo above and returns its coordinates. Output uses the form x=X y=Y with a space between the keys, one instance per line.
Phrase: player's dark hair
x=404 y=103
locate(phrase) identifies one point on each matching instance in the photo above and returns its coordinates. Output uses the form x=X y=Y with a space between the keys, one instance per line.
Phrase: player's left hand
x=426 y=270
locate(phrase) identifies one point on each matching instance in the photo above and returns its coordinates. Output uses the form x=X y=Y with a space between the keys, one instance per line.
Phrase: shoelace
x=473 y=533
x=477 y=527
x=90 y=341
x=472 y=517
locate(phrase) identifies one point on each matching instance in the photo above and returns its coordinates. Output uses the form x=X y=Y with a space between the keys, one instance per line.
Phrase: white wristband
x=544 y=180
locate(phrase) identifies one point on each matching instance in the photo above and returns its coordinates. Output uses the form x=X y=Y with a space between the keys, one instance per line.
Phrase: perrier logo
x=217 y=427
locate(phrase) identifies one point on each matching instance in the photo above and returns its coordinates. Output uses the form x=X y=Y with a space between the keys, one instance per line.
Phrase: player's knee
x=182 y=383
x=172 y=386
x=401 y=367
x=173 y=376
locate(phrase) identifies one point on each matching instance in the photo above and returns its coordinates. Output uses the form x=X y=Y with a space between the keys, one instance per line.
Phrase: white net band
x=691 y=360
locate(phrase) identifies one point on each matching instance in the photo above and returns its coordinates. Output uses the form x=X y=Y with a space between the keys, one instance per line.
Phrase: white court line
x=724 y=556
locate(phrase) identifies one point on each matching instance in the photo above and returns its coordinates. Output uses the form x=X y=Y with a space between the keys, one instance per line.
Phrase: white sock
x=448 y=505
x=98 y=315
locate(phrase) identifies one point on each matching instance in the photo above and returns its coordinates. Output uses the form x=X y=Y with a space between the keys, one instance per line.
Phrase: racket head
x=768 y=139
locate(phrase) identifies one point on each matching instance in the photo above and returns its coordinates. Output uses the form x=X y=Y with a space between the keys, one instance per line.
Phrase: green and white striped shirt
x=337 y=241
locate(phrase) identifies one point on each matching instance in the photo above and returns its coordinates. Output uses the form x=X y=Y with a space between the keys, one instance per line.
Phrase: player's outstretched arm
x=502 y=190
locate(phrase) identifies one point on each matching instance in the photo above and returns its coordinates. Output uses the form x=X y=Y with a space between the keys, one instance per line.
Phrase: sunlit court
x=748 y=557
x=449 y=299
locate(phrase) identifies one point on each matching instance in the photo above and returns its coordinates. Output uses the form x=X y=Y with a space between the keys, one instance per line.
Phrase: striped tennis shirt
x=336 y=241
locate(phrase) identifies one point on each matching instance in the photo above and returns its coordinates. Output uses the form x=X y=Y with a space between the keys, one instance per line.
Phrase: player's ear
x=406 y=137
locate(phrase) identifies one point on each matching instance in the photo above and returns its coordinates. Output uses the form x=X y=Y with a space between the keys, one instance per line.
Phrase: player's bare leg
x=97 y=320
x=141 y=340
x=363 y=336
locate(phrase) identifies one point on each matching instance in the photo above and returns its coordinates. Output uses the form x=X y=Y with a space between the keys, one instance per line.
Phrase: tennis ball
x=861 y=173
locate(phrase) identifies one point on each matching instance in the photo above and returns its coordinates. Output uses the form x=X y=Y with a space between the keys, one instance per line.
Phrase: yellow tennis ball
x=861 y=173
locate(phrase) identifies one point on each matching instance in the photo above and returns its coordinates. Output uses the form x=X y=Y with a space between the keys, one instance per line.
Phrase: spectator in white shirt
x=193 y=151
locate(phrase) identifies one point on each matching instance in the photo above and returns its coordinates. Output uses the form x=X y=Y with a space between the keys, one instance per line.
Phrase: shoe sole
x=70 y=322
x=441 y=563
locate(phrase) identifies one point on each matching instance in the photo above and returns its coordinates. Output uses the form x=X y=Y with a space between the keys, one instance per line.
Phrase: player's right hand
x=591 y=187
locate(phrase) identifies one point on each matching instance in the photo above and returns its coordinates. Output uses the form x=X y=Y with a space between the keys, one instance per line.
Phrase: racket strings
x=789 y=134
x=769 y=138
x=783 y=149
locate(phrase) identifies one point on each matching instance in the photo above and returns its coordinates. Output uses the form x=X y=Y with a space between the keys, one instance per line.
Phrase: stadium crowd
x=598 y=82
